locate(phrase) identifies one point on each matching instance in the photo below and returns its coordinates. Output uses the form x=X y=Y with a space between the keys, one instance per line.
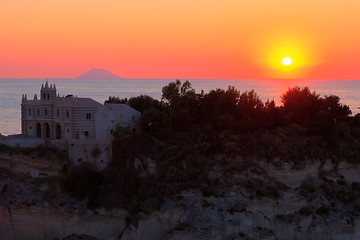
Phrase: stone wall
x=30 y=166
x=96 y=153
x=35 y=142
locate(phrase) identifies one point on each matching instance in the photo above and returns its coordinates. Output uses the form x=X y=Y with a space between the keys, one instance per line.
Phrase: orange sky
x=180 y=39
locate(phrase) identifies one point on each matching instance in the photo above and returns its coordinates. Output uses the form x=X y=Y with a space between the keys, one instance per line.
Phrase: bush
x=95 y=152
x=4 y=148
x=120 y=186
x=153 y=119
x=322 y=210
x=83 y=181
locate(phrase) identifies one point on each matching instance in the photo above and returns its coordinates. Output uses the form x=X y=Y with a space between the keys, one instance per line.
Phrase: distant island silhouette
x=98 y=73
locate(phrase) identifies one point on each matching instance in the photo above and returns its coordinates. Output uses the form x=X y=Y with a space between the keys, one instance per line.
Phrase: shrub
x=83 y=182
x=4 y=148
x=120 y=186
x=95 y=152
x=322 y=210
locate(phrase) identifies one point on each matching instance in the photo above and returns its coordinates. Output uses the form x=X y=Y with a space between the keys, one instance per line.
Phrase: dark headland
x=98 y=73
x=217 y=166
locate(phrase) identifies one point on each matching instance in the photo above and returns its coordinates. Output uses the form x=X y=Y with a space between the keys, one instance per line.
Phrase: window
x=86 y=133
x=29 y=111
x=30 y=127
x=133 y=118
x=57 y=113
x=38 y=112
x=67 y=130
x=88 y=116
x=67 y=113
x=46 y=112
x=48 y=96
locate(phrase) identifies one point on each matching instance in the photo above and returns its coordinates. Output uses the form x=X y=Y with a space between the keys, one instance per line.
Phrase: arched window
x=67 y=113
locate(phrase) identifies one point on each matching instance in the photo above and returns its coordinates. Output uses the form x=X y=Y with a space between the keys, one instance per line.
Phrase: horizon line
x=162 y=78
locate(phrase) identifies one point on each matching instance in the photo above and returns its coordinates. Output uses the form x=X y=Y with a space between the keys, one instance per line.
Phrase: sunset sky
x=232 y=39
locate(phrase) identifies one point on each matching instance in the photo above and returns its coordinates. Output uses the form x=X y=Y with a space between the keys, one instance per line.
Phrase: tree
x=113 y=99
x=213 y=105
x=322 y=125
x=83 y=181
x=171 y=92
x=332 y=105
x=153 y=119
x=300 y=104
x=179 y=96
x=270 y=116
x=249 y=103
x=174 y=91
x=143 y=102
x=182 y=119
x=231 y=100
x=226 y=121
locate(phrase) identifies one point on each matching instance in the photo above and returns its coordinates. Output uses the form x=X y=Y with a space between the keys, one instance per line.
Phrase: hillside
x=216 y=192
x=98 y=73
x=222 y=165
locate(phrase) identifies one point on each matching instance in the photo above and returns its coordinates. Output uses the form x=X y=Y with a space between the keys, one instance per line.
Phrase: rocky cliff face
x=264 y=201
x=42 y=223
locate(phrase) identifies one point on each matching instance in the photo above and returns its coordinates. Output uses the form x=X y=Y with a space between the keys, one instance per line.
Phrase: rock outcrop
x=319 y=203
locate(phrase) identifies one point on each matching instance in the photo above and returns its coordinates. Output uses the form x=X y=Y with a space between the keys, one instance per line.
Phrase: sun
x=286 y=61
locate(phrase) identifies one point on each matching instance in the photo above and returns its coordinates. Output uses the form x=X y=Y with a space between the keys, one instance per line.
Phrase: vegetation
x=186 y=133
x=180 y=109
x=140 y=103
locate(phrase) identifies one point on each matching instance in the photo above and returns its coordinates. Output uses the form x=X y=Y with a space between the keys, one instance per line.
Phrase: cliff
x=178 y=189
x=306 y=206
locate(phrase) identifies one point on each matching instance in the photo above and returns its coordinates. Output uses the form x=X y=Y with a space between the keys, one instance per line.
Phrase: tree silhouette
x=143 y=102
x=332 y=104
x=113 y=99
x=300 y=104
x=179 y=96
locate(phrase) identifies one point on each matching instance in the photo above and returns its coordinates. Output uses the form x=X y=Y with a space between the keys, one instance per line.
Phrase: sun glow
x=289 y=55
x=286 y=61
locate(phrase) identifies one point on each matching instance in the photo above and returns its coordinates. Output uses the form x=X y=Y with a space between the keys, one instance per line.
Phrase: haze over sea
x=11 y=91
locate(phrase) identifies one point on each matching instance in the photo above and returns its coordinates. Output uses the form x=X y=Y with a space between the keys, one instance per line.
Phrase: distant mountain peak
x=98 y=73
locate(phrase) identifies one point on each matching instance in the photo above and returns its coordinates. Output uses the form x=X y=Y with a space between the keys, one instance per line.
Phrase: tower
x=46 y=92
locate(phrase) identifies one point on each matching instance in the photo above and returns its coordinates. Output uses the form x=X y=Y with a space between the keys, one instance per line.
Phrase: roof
x=119 y=107
x=69 y=101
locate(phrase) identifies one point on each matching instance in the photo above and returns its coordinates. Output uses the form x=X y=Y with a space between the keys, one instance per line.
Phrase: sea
x=11 y=91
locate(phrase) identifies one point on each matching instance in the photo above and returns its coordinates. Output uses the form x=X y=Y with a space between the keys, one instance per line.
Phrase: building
x=70 y=117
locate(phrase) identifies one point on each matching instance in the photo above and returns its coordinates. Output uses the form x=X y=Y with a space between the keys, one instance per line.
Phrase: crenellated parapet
x=47 y=92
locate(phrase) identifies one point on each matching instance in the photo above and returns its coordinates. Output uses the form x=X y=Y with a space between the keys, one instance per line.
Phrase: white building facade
x=55 y=117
